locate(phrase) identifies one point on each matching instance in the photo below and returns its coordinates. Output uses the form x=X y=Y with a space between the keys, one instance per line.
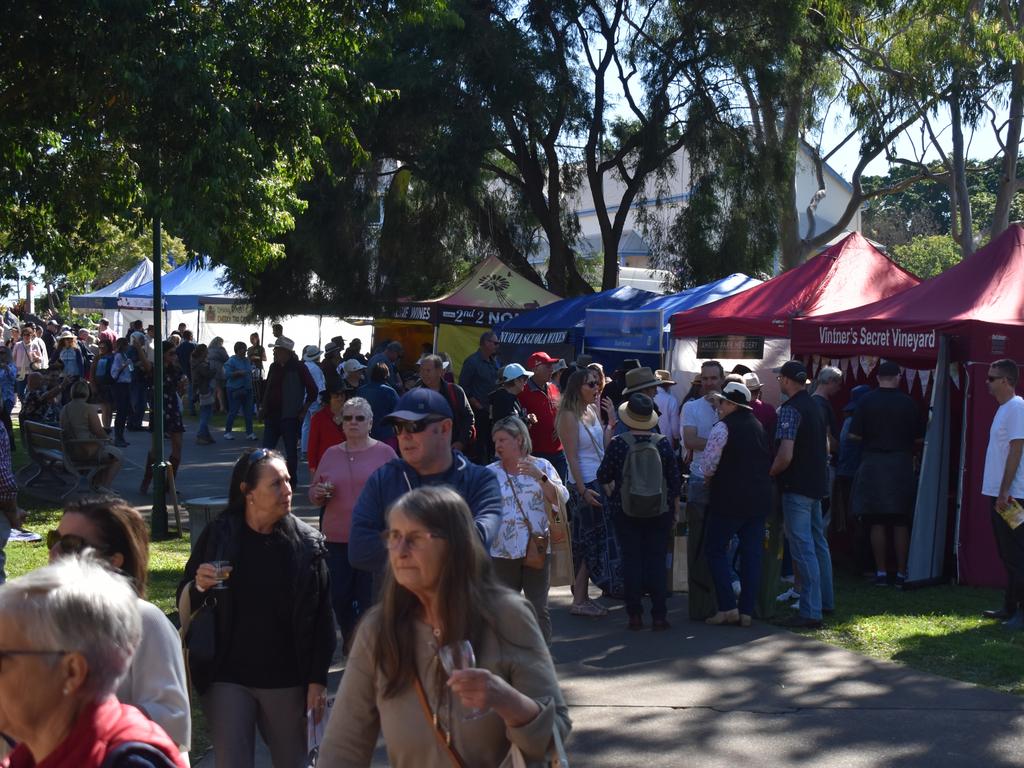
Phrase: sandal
x=588 y=608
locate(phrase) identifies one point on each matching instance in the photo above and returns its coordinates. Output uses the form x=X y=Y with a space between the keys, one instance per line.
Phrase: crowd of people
x=432 y=559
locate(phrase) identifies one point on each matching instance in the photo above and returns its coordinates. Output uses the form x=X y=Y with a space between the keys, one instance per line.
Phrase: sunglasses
x=415 y=427
x=353 y=417
x=259 y=455
x=415 y=540
x=70 y=544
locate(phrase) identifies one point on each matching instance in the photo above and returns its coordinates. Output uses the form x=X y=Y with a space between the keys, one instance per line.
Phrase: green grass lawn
x=934 y=629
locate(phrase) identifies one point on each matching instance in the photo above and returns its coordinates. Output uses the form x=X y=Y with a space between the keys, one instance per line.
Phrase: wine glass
x=223 y=571
x=456 y=656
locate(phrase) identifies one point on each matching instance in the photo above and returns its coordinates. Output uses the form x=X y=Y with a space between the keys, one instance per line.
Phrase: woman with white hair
x=339 y=479
x=68 y=632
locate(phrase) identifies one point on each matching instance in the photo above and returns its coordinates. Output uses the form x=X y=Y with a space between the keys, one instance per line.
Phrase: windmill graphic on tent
x=498 y=284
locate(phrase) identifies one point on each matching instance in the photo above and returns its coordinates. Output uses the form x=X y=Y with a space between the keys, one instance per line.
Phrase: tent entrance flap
x=931 y=510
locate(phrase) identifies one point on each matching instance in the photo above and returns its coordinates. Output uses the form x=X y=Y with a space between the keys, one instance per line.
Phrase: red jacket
x=544 y=405
x=99 y=729
x=323 y=433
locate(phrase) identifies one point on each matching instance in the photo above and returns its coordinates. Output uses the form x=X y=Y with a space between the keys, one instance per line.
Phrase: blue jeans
x=805 y=531
x=20 y=386
x=122 y=408
x=140 y=398
x=644 y=545
x=718 y=533
x=351 y=590
x=205 y=412
x=239 y=399
x=304 y=439
x=276 y=429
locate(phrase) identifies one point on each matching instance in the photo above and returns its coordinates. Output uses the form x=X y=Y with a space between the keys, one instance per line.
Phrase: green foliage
x=203 y=114
x=927 y=255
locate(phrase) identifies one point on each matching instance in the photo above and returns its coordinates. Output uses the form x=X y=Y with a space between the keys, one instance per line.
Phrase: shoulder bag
x=537 y=543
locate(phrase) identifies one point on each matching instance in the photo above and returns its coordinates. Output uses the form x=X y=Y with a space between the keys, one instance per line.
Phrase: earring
x=67 y=689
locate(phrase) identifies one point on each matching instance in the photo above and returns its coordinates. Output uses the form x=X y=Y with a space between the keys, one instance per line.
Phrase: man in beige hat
x=668 y=407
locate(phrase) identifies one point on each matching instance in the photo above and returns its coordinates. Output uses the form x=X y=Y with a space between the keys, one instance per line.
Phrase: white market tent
x=106 y=298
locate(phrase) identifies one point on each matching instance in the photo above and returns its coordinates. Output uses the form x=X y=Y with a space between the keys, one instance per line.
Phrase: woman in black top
x=275 y=629
x=505 y=399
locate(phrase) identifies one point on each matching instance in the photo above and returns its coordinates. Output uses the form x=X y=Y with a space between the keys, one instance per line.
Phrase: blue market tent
x=613 y=335
x=106 y=297
x=557 y=328
x=182 y=288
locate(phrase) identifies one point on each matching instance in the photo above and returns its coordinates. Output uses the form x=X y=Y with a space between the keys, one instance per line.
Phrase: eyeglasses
x=353 y=417
x=415 y=540
x=994 y=378
x=4 y=655
x=415 y=427
x=70 y=544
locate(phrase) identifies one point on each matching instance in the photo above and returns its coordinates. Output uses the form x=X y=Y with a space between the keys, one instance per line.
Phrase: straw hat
x=638 y=412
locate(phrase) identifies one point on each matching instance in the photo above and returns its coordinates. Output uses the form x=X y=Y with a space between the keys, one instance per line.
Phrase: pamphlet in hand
x=1013 y=514
x=315 y=731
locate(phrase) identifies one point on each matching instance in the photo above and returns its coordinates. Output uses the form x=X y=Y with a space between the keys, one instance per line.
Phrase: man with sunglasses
x=1003 y=480
x=423 y=422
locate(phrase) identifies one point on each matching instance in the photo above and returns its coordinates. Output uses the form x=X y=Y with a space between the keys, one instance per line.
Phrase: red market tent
x=753 y=327
x=972 y=312
x=850 y=273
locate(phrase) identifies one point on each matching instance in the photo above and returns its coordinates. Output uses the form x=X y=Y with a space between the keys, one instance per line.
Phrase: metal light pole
x=158 y=517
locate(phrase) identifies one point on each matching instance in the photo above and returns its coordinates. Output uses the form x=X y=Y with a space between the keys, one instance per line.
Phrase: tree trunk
x=966 y=234
x=1011 y=148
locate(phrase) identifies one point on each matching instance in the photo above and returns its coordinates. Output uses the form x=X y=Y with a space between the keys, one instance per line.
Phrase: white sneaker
x=789 y=594
x=251 y=436
x=228 y=436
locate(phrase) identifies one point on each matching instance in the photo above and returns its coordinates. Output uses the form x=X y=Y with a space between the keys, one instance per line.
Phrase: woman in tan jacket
x=439 y=590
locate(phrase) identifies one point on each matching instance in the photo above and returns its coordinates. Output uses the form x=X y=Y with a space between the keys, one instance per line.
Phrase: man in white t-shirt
x=699 y=416
x=1003 y=480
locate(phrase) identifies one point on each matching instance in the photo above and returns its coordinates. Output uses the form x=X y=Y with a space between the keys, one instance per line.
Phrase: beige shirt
x=360 y=712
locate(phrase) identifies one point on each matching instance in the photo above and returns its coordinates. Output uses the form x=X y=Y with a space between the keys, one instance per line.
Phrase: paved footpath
x=719 y=697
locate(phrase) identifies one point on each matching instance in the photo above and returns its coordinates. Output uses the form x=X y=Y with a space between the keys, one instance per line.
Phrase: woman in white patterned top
x=526 y=482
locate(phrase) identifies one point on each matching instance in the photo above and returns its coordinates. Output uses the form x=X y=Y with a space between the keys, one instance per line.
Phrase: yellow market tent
x=491 y=294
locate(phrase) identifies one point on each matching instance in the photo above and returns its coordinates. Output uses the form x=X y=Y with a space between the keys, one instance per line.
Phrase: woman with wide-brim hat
x=736 y=463
x=643 y=526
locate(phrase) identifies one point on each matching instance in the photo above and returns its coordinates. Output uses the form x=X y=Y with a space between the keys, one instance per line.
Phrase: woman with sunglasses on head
x=155 y=681
x=263 y=574
x=439 y=594
x=339 y=479
x=595 y=549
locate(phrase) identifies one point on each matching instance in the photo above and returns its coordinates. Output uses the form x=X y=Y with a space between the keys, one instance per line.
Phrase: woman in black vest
x=736 y=463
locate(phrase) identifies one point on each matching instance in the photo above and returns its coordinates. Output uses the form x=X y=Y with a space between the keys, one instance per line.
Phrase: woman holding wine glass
x=263 y=573
x=341 y=473
x=441 y=605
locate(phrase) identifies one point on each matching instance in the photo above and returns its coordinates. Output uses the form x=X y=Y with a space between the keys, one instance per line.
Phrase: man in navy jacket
x=423 y=422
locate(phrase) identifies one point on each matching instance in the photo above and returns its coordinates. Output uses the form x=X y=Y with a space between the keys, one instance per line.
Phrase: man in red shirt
x=106 y=333
x=540 y=397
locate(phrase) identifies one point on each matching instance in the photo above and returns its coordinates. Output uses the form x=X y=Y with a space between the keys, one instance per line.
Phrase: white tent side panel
x=684 y=364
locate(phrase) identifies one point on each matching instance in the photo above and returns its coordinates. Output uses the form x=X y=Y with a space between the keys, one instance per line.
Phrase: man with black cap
x=801 y=466
x=423 y=421
x=540 y=397
x=889 y=426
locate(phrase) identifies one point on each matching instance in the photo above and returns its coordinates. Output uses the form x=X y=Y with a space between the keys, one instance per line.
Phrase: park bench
x=57 y=464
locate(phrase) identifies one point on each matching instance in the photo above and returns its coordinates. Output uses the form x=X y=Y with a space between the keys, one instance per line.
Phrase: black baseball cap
x=793 y=369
